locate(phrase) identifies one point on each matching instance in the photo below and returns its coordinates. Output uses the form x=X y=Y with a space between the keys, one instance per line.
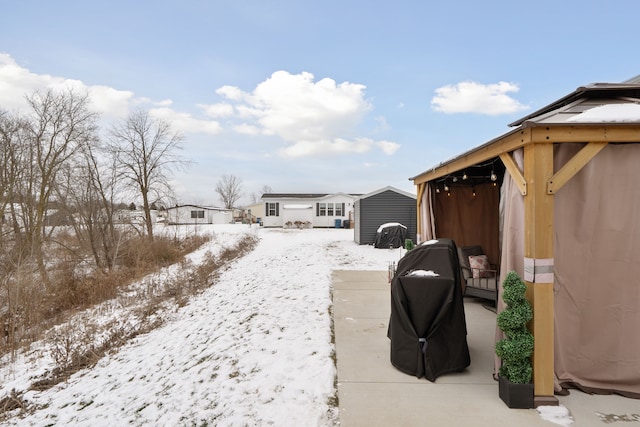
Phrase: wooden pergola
x=537 y=134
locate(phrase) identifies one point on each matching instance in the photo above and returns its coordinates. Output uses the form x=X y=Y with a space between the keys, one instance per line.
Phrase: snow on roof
x=624 y=113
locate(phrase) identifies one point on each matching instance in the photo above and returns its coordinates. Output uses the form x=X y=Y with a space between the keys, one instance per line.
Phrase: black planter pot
x=516 y=396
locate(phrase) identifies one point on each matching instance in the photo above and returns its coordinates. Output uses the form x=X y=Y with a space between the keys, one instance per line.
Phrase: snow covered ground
x=254 y=349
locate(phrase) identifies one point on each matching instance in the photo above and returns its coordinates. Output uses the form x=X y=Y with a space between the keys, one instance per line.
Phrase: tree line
x=56 y=152
x=57 y=166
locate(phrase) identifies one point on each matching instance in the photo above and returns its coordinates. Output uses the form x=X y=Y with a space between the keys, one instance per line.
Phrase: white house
x=307 y=210
x=192 y=214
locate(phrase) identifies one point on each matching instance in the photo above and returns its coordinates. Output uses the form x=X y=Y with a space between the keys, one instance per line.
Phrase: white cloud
x=230 y=92
x=17 y=81
x=327 y=147
x=472 y=97
x=222 y=109
x=247 y=129
x=388 y=147
x=110 y=101
x=185 y=123
x=312 y=118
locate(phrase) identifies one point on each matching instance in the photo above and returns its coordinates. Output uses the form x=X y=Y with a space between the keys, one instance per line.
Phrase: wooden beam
x=573 y=166
x=504 y=144
x=538 y=252
x=515 y=172
x=625 y=133
x=586 y=133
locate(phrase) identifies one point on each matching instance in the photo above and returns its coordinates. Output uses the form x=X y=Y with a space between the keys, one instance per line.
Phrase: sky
x=243 y=352
x=316 y=97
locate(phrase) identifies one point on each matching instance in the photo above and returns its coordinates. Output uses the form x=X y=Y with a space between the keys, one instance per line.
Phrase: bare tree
x=10 y=167
x=88 y=200
x=146 y=152
x=266 y=189
x=59 y=125
x=229 y=189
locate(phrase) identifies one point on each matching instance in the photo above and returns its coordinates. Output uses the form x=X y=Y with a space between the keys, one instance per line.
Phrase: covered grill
x=427 y=327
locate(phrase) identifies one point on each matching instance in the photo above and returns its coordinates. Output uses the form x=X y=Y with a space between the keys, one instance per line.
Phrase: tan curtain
x=597 y=272
x=512 y=236
x=426 y=215
x=597 y=269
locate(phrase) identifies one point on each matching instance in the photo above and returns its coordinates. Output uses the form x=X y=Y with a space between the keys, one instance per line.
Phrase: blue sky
x=317 y=96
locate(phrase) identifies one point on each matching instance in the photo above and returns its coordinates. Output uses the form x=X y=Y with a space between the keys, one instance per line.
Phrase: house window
x=197 y=214
x=329 y=209
x=272 y=209
x=322 y=209
x=339 y=209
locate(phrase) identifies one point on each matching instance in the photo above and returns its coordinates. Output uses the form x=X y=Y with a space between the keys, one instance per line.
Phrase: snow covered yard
x=254 y=349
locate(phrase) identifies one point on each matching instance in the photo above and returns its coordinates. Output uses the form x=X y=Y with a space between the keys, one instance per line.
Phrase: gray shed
x=380 y=207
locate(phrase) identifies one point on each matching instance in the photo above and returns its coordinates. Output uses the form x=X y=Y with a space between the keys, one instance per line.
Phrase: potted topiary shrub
x=515 y=386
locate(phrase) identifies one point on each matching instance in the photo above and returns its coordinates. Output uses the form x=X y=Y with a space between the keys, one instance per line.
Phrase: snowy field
x=253 y=350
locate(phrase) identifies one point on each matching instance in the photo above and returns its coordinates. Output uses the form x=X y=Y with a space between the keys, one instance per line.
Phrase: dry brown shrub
x=140 y=253
x=74 y=345
x=12 y=402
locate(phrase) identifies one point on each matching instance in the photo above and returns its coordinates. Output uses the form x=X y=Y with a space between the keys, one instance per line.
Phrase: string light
x=469 y=178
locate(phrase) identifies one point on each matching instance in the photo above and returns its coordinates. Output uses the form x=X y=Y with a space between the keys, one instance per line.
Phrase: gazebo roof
x=584 y=99
x=595 y=112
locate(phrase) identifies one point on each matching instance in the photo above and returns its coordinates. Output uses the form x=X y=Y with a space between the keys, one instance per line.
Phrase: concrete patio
x=373 y=393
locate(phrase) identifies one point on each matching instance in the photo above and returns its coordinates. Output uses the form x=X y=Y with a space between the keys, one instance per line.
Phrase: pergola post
x=538 y=265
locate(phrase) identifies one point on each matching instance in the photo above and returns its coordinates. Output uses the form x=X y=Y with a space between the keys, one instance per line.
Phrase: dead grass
x=79 y=344
x=29 y=306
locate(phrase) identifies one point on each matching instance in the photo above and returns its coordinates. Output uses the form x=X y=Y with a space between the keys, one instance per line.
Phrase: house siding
x=381 y=208
x=305 y=209
x=182 y=215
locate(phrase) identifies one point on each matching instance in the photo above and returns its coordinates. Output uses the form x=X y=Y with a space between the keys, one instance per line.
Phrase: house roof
x=210 y=208
x=388 y=188
x=304 y=195
x=293 y=195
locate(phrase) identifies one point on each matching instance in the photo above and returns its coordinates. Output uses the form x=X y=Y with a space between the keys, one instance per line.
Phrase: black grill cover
x=391 y=235
x=427 y=327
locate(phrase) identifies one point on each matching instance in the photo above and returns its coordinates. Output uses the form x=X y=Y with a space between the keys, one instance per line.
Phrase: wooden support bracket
x=515 y=172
